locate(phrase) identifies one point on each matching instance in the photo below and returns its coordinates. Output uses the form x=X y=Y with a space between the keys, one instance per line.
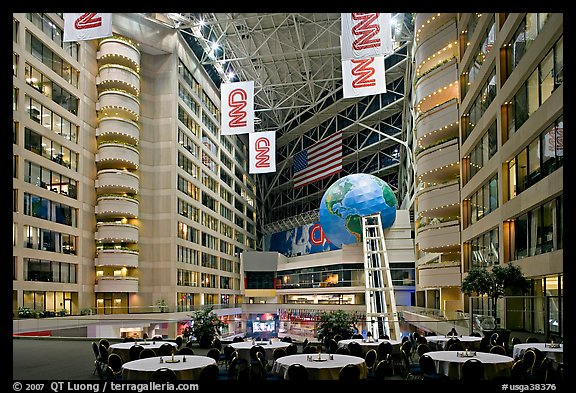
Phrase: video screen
x=266 y=326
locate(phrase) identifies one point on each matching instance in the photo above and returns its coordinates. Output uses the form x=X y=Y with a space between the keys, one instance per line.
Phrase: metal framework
x=294 y=61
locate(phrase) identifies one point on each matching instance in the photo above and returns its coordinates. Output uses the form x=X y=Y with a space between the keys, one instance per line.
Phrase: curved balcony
x=108 y=232
x=440 y=275
x=116 y=257
x=116 y=284
x=444 y=237
x=443 y=45
x=117 y=156
x=426 y=24
x=440 y=163
x=116 y=181
x=436 y=89
x=114 y=103
x=118 y=77
x=442 y=200
x=114 y=50
x=442 y=123
x=119 y=129
x=116 y=206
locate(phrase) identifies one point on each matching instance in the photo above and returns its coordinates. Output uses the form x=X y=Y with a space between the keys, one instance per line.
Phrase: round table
x=556 y=354
x=243 y=348
x=123 y=349
x=142 y=369
x=368 y=345
x=450 y=364
x=439 y=342
x=327 y=369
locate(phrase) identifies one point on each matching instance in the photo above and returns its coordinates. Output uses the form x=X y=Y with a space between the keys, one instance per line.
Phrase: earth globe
x=349 y=199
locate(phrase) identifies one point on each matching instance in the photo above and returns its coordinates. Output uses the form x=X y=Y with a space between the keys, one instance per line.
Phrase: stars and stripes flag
x=322 y=159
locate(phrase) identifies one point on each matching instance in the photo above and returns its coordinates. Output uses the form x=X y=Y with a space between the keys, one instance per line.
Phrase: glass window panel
x=521 y=236
x=531 y=27
x=522 y=171
x=534 y=161
x=533 y=92
x=547 y=228
x=559 y=61
x=548 y=146
x=493 y=194
x=547 y=76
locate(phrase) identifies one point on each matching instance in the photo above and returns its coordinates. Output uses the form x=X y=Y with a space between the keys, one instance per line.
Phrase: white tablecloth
x=439 y=342
x=448 y=363
x=328 y=369
x=556 y=354
x=368 y=345
x=142 y=369
x=243 y=348
x=123 y=349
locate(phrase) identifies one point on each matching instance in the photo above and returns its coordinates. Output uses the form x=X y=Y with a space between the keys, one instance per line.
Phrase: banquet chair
x=529 y=358
x=343 y=351
x=165 y=349
x=410 y=370
x=309 y=349
x=179 y=340
x=422 y=349
x=258 y=368
x=287 y=339
x=498 y=349
x=519 y=371
x=385 y=337
x=227 y=351
x=428 y=368
x=370 y=358
x=217 y=343
x=214 y=353
x=97 y=360
x=209 y=373
x=357 y=336
x=134 y=351
x=237 y=339
x=104 y=342
x=349 y=372
x=456 y=346
x=384 y=349
x=355 y=349
x=164 y=374
x=103 y=349
x=254 y=349
x=472 y=370
x=129 y=340
x=421 y=340
x=157 y=338
x=186 y=351
x=332 y=345
x=278 y=353
x=338 y=337
x=451 y=341
x=297 y=372
x=115 y=364
x=532 y=340
x=292 y=349
x=494 y=339
x=237 y=367
x=147 y=353
x=382 y=370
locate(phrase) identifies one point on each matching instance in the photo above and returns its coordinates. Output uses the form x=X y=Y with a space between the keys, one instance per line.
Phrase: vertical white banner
x=365 y=35
x=237 y=108
x=81 y=26
x=262 y=152
x=363 y=77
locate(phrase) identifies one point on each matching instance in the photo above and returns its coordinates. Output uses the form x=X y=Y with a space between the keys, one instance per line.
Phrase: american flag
x=322 y=159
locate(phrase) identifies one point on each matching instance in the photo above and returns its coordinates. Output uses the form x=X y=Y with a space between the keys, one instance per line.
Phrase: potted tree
x=495 y=283
x=205 y=326
x=332 y=323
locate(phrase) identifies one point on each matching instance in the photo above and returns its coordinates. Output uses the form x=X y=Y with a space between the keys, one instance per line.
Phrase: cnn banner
x=365 y=35
x=86 y=26
x=363 y=77
x=237 y=107
x=262 y=152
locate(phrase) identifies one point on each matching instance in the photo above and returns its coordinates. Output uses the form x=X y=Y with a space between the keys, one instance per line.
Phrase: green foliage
x=26 y=312
x=495 y=283
x=205 y=326
x=335 y=322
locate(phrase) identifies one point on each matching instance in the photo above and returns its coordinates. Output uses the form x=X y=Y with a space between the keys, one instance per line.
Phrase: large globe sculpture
x=349 y=199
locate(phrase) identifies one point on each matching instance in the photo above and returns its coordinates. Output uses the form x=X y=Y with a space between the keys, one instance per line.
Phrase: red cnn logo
x=262 y=146
x=317 y=236
x=237 y=101
x=362 y=71
x=88 y=21
x=365 y=30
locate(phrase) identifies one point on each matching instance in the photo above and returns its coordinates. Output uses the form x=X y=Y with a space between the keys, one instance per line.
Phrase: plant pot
x=205 y=342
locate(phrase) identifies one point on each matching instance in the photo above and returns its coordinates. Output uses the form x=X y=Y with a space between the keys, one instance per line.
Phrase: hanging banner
x=365 y=35
x=237 y=113
x=262 y=152
x=363 y=77
x=81 y=26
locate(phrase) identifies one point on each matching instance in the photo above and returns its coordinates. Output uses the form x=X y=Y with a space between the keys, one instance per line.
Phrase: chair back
x=164 y=374
x=472 y=370
x=421 y=349
x=278 y=353
x=343 y=351
x=186 y=351
x=217 y=343
x=349 y=372
x=384 y=349
x=254 y=349
x=427 y=365
x=213 y=353
x=287 y=339
x=355 y=348
x=357 y=336
x=147 y=353
x=456 y=346
x=129 y=340
x=498 y=349
x=332 y=345
x=382 y=369
x=309 y=349
x=237 y=339
x=519 y=371
x=532 y=339
x=292 y=349
x=297 y=372
x=370 y=358
x=134 y=351
x=104 y=342
x=103 y=349
x=115 y=362
x=209 y=373
x=529 y=358
x=179 y=340
x=165 y=349
x=95 y=350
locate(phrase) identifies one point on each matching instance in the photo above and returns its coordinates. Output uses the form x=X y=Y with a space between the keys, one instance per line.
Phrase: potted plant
x=335 y=322
x=206 y=325
x=495 y=283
